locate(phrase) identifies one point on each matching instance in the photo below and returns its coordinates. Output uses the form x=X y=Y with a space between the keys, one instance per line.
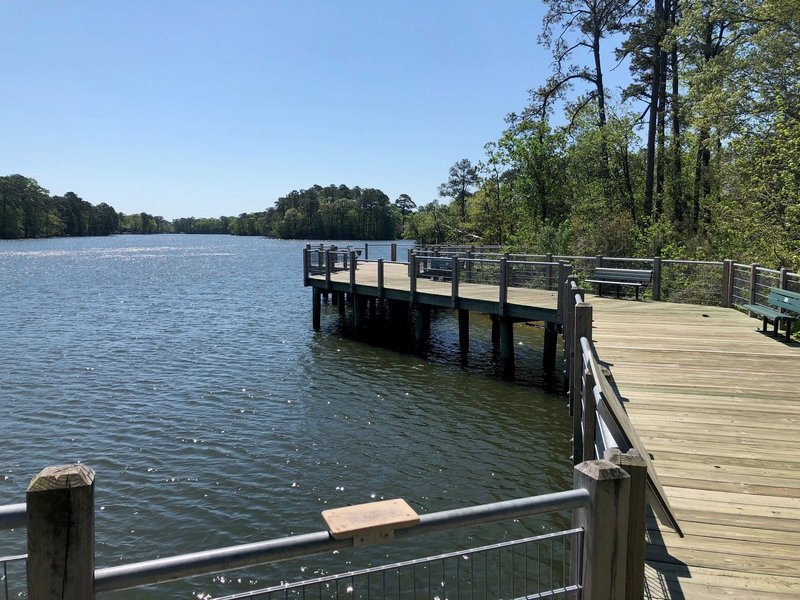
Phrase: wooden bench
x=635 y=278
x=782 y=305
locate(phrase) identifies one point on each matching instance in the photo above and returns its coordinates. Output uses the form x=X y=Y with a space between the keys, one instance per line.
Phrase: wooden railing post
x=564 y=271
x=753 y=283
x=725 y=295
x=657 y=278
x=582 y=327
x=605 y=527
x=598 y=261
x=454 y=282
x=353 y=266
x=503 y=283
x=393 y=255
x=306 y=259
x=381 y=291
x=783 y=278
x=636 y=467
x=412 y=265
x=60 y=507
x=589 y=415
x=328 y=268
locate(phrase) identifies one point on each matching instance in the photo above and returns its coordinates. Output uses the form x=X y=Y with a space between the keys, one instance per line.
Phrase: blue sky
x=209 y=108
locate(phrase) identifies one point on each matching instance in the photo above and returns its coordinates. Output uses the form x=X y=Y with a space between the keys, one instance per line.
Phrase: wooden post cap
x=373 y=520
x=62 y=477
x=601 y=470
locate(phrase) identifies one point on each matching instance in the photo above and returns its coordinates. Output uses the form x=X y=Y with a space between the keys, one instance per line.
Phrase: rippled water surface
x=184 y=370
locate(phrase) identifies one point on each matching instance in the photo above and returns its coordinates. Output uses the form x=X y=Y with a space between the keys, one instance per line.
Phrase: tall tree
x=406 y=205
x=463 y=177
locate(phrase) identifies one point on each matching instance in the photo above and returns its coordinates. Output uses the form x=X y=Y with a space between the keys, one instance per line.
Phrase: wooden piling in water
x=316 y=309
x=507 y=346
x=550 y=344
x=463 y=330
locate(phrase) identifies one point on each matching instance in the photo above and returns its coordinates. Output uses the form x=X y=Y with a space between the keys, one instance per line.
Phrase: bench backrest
x=632 y=275
x=789 y=301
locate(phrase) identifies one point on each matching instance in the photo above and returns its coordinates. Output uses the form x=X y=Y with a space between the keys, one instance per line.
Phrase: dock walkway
x=717 y=405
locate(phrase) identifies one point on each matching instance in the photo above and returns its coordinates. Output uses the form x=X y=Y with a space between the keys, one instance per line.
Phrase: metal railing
x=534 y=567
x=549 y=565
x=712 y=283
x=13 y=575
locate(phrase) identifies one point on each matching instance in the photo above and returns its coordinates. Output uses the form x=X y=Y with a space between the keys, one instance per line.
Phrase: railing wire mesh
x=530 y=568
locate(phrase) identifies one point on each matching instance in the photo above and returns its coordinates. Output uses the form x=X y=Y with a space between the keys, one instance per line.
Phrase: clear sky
x=196 y=108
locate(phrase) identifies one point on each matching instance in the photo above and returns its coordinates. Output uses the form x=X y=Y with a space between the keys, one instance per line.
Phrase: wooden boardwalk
x=522 y=302
x=717 y=405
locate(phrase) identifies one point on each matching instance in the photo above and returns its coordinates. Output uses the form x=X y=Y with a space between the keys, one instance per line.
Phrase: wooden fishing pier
x=712 y=402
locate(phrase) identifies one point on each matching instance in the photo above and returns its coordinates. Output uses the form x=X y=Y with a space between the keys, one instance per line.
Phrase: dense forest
x=699 y=156
x=335 y=212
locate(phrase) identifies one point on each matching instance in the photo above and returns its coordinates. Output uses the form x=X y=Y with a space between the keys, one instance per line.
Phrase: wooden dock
x=717 y=405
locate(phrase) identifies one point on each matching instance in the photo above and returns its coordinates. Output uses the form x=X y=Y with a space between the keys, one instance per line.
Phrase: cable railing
x=712 y=283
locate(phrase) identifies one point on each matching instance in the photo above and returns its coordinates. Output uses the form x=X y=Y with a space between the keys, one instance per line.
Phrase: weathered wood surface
x=716 y=404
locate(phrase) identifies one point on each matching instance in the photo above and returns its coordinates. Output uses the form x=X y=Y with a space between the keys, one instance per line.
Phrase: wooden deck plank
x=715 y=404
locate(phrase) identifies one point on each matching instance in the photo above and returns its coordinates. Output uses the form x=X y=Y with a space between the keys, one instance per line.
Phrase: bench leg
x=637 y=293
x=619 y=286
x=776 y=329
x=788 y=331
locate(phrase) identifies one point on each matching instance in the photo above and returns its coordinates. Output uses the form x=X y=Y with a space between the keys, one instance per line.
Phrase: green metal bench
x=782 y=305
x=636 y=278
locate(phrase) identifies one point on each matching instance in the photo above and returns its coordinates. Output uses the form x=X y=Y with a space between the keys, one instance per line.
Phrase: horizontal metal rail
x=12 y=516
x=161 y=570
x=407 y=577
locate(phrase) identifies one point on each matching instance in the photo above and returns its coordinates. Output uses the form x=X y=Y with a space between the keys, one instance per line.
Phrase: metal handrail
x=161 y=570
x=13 y=516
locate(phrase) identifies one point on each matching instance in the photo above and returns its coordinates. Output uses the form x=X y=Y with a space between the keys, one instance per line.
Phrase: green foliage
x=28 y=211
x=331 y=213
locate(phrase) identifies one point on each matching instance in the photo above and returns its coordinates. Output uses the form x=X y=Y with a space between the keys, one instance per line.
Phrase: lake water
x=185 y=371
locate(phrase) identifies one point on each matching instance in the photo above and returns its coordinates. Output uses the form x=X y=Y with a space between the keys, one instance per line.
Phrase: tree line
x=334 y=212
x=697 y=156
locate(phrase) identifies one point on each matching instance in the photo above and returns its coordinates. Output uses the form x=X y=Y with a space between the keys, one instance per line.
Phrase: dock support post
x=495 y=331
x=393 y=256
x=422 y=324
x=398 y=317
x=381 y=277
x=634 y=465
x=605 y=525
x=316 y=308
x=340 y=300
x=550 y=342
x=60 y=507
x=463 y=330
x=507 y=346
x=358 y=311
